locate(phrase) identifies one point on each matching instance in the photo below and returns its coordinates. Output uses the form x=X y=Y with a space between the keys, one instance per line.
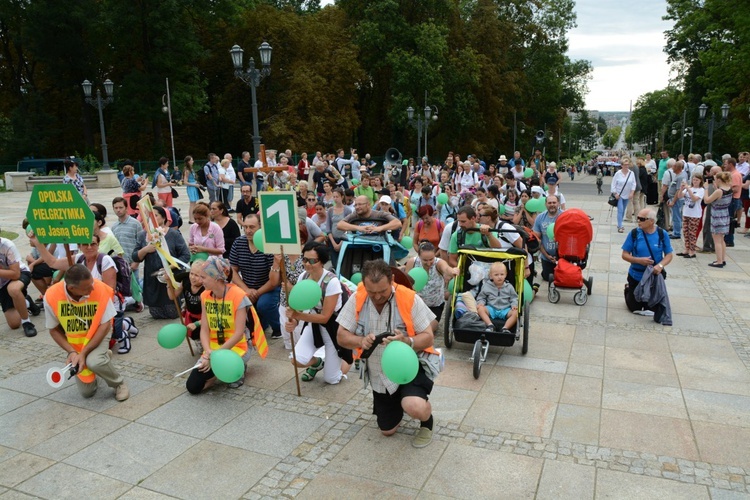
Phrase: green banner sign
x=279 y=221
x=58 y=213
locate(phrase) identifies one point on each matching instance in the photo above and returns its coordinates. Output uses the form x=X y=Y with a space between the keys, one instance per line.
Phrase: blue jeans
x=267 y=308
x=677 y=217
x=622 y=204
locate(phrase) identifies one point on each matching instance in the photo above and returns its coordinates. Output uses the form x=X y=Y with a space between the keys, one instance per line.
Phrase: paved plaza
x=606 y=404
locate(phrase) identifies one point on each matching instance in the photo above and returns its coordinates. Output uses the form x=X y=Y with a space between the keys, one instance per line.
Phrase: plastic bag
x=478 y=273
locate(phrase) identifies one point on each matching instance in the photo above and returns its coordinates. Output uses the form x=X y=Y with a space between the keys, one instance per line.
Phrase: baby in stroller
x=498 y=299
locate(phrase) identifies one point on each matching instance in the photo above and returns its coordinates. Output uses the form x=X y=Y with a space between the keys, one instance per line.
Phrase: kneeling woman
x=223 y=316
x=317 y=326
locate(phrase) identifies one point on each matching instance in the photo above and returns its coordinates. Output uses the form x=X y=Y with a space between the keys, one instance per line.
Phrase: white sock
x=27 y=320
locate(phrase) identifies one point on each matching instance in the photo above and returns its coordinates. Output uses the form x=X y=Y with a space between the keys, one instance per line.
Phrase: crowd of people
x=440 y=207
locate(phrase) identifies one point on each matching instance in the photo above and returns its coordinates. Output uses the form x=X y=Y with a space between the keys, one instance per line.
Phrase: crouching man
x=381 y=306
x=79 y=313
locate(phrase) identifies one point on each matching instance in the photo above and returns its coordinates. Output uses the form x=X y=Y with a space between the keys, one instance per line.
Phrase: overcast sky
x=625 y=43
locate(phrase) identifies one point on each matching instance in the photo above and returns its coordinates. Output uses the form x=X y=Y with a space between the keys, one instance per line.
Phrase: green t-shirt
x=473 y=238
x=662 y=168
x=366 y=191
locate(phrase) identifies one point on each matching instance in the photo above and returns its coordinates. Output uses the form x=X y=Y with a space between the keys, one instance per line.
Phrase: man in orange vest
x=380 y=306
x=79 y=313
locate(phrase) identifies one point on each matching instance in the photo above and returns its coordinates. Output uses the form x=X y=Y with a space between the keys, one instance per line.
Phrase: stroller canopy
x=573 y=232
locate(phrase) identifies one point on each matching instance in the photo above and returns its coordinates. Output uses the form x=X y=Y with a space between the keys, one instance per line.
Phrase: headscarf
x=217 y=268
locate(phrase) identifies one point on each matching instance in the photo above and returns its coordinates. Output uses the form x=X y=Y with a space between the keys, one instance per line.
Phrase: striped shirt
x=253 y=267
x=127 y=233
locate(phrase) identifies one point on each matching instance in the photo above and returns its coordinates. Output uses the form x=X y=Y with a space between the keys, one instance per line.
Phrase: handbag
x=175 y=194
x=612 y=199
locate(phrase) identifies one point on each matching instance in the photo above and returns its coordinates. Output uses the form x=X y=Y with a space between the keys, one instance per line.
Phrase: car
x=43 y=166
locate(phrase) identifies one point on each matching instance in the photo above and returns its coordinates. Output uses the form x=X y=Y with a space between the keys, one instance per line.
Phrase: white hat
x=502 y=158
x=537 y=189
x=385 y=199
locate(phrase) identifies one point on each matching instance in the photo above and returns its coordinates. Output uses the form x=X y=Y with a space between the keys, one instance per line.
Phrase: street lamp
x=100 y=104
x=686 y=132
x=252 y=77
x=712 y=124
x=166 y=107
x=421 y=124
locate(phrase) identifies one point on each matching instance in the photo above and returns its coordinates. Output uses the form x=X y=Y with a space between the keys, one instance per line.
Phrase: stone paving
x=605 y=404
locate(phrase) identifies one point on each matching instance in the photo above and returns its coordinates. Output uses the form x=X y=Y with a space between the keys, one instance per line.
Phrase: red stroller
x=573 y=235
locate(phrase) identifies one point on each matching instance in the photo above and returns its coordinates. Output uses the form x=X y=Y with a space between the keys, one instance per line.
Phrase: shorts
x=498 y=313
x=6 y=301
x=41 y=271
x=387 y=407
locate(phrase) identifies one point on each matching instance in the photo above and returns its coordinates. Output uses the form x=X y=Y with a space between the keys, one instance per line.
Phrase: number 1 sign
x=279 y=222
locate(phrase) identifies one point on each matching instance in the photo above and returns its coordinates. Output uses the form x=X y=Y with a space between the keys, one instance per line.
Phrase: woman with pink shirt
x=205 y=235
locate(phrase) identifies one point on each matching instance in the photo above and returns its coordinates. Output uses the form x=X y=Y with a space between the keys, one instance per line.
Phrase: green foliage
x=611 y=135
x=340 y=75
x=584 y=129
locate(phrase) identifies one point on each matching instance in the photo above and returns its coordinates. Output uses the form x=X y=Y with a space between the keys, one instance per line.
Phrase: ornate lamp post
x=712 y=124
x=252 y=76
x=100 y=104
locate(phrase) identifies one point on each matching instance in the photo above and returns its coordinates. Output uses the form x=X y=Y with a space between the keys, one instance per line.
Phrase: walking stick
x=286 y=292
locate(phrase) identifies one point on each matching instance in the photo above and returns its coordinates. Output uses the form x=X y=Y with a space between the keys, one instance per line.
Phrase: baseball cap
x=385 y=199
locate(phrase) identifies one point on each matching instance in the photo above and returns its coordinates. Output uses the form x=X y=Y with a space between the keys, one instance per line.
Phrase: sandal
x=620 y=229
x=310 y=373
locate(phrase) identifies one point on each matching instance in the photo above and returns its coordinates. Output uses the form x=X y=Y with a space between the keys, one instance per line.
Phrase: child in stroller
x=498 y=299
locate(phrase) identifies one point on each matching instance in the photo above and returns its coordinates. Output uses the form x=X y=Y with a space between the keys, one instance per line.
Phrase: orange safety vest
x=223 y=309
x=80 y=320
x=404 y=303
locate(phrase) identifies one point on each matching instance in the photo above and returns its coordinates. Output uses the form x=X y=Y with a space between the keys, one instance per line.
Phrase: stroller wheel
x=476 y=355
x=580 y=298
x=553 y=295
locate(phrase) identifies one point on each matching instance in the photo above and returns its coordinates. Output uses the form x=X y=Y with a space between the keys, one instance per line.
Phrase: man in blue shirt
x=548 y=247
x=647 y=245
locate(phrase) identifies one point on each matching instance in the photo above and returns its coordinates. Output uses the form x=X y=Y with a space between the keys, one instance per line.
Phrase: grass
x=9 y=234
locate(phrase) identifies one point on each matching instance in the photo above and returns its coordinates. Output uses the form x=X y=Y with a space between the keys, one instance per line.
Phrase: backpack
x=200 y=176
x=123 y=272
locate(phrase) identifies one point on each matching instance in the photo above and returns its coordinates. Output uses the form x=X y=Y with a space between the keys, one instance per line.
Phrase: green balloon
x=451 y=285
x=355 y=182
x=546 y=187
x=420 y=277
x=501 y=209
x=551 y=231
x=305 y=295
x=356 y=278
x=528 y=292
x=442 y=198
x=171 y=336
x=258 y=241
x=399 y=363
x=407 y=242
x=528 y=173
x=227 y=365
x=413 y=208
x=541 y=205
x=199 y=256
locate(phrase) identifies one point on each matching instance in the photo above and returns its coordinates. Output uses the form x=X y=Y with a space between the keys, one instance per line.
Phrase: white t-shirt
x=107 y=263
x=445 y=238
x=622 y=182
x=223 y=171
x=696 y=211
x=231 y=175
x=165 y=189
x=9 y=254
x=508 y=236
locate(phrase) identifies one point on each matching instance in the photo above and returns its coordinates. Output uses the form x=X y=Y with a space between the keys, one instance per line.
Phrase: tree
x=584 y=130
x=610 y=136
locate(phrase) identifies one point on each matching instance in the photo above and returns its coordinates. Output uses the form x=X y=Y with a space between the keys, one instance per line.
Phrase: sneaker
x=276 y=335
x=29 y=329
x=506 y=332
x=128 y=326
x=644 y=312
x=33 y=308
x=122 y=392
x=489 y=328
x=124 y=344
x=423 y=437
x=239 y=383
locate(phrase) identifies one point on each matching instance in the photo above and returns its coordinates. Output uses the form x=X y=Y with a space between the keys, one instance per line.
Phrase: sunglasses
x=642 y=219
x=310 y=261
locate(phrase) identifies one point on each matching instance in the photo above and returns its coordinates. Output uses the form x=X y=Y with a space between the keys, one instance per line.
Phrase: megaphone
x=539 y=135
x=392 y=157
x=56 y=376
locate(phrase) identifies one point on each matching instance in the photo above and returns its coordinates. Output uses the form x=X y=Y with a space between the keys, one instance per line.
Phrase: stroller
x=573 y=235
x=515 y=260
x=358 y=248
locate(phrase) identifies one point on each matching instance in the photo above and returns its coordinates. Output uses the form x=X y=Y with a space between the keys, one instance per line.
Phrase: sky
x=625 y=43
x=624 y=40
